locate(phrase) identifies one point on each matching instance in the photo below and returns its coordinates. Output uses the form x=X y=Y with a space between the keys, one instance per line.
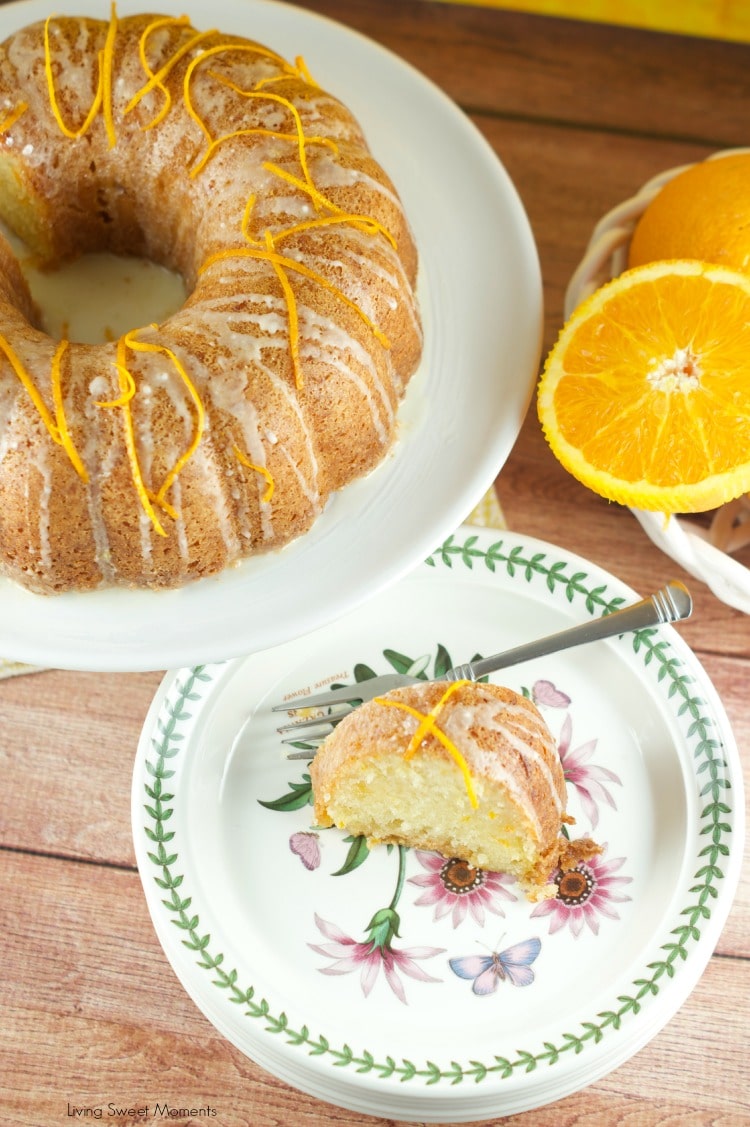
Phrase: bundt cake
x=469 y=770
x=181 y=448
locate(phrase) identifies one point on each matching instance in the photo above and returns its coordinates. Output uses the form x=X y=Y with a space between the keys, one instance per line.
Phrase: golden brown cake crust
x=493 y=742
x=277 y=382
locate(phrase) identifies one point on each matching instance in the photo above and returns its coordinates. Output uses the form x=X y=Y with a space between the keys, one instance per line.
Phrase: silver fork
x=670 y=604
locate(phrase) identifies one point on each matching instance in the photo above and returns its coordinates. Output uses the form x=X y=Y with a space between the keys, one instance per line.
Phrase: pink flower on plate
x=374 y=953
x=588 y=779
x=458 y=889
x=583 y=894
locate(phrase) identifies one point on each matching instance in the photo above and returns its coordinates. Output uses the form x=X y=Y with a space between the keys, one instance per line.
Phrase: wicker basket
x=705 y=551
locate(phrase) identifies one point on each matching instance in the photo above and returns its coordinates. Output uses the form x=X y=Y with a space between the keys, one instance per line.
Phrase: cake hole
x=98 y=297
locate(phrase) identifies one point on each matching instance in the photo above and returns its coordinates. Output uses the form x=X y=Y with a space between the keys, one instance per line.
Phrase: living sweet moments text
x=139 y=1113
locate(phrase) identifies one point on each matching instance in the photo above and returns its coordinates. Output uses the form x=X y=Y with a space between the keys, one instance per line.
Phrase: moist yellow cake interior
x=401 y=799
x=17 y=208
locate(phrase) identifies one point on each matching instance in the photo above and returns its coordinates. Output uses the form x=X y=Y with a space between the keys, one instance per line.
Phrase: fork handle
x=671 y=604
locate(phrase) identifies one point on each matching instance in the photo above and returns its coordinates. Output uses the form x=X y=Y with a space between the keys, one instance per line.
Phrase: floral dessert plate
x=480 y=294
x=401 y=984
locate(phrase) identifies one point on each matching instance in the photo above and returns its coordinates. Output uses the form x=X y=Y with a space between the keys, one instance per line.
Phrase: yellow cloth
x=488 y=513
x=13 y=668
x=712 y=19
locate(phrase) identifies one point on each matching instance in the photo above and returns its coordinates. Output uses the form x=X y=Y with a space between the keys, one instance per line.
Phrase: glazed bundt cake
x=181 y=448
x=468 y=770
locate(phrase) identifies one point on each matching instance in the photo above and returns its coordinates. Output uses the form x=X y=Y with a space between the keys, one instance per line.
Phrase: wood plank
x=66 y=761
x=530 y=67
x=568 y=179
x=88 y=987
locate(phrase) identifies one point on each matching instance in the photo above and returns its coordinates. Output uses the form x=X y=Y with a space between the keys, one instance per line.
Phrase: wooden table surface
x=581 y=115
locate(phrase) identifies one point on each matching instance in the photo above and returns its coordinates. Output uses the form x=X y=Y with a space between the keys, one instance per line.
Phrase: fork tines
x=309 y=726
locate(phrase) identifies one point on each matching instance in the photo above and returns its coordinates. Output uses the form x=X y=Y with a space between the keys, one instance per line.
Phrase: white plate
x=480 y=291
x=236 y=908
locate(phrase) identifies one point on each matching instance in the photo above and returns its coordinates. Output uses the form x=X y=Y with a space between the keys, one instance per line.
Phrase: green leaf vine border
x=715 y=827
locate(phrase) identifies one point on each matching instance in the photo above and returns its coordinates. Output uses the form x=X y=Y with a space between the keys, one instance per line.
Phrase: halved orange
x=645 y=398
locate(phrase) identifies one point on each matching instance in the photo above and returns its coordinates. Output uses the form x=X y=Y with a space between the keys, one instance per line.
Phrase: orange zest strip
x=168 y=21
x=103 y=96
x=268 y=494
x=156 y=81
x=127 y=386
x=265 y=95
x=291 y=304
x=257 y=131
x=262 y=83
x=428 y=723
x=106 y=59
x=74 y=134
x=366 y=222
x=127 y=418
x=298 y=268
x=255 y=48
x=62 y=427
x=57 y=427
x=34 y=395
x=299 y=71
x=370 y=226
x=291 y=301
x=245 y=225
x=427 y=726
x=144 y=346
x=316 y=196
x=303 y=72
x=12 y=117
x=170 y=510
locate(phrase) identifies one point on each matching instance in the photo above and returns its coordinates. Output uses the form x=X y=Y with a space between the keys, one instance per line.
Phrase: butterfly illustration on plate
x=513 y=964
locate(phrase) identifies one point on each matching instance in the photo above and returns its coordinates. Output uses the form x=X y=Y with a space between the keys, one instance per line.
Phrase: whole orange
x=702 y=213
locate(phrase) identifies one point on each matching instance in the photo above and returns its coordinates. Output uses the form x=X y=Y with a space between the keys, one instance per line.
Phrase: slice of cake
x=466 y=769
